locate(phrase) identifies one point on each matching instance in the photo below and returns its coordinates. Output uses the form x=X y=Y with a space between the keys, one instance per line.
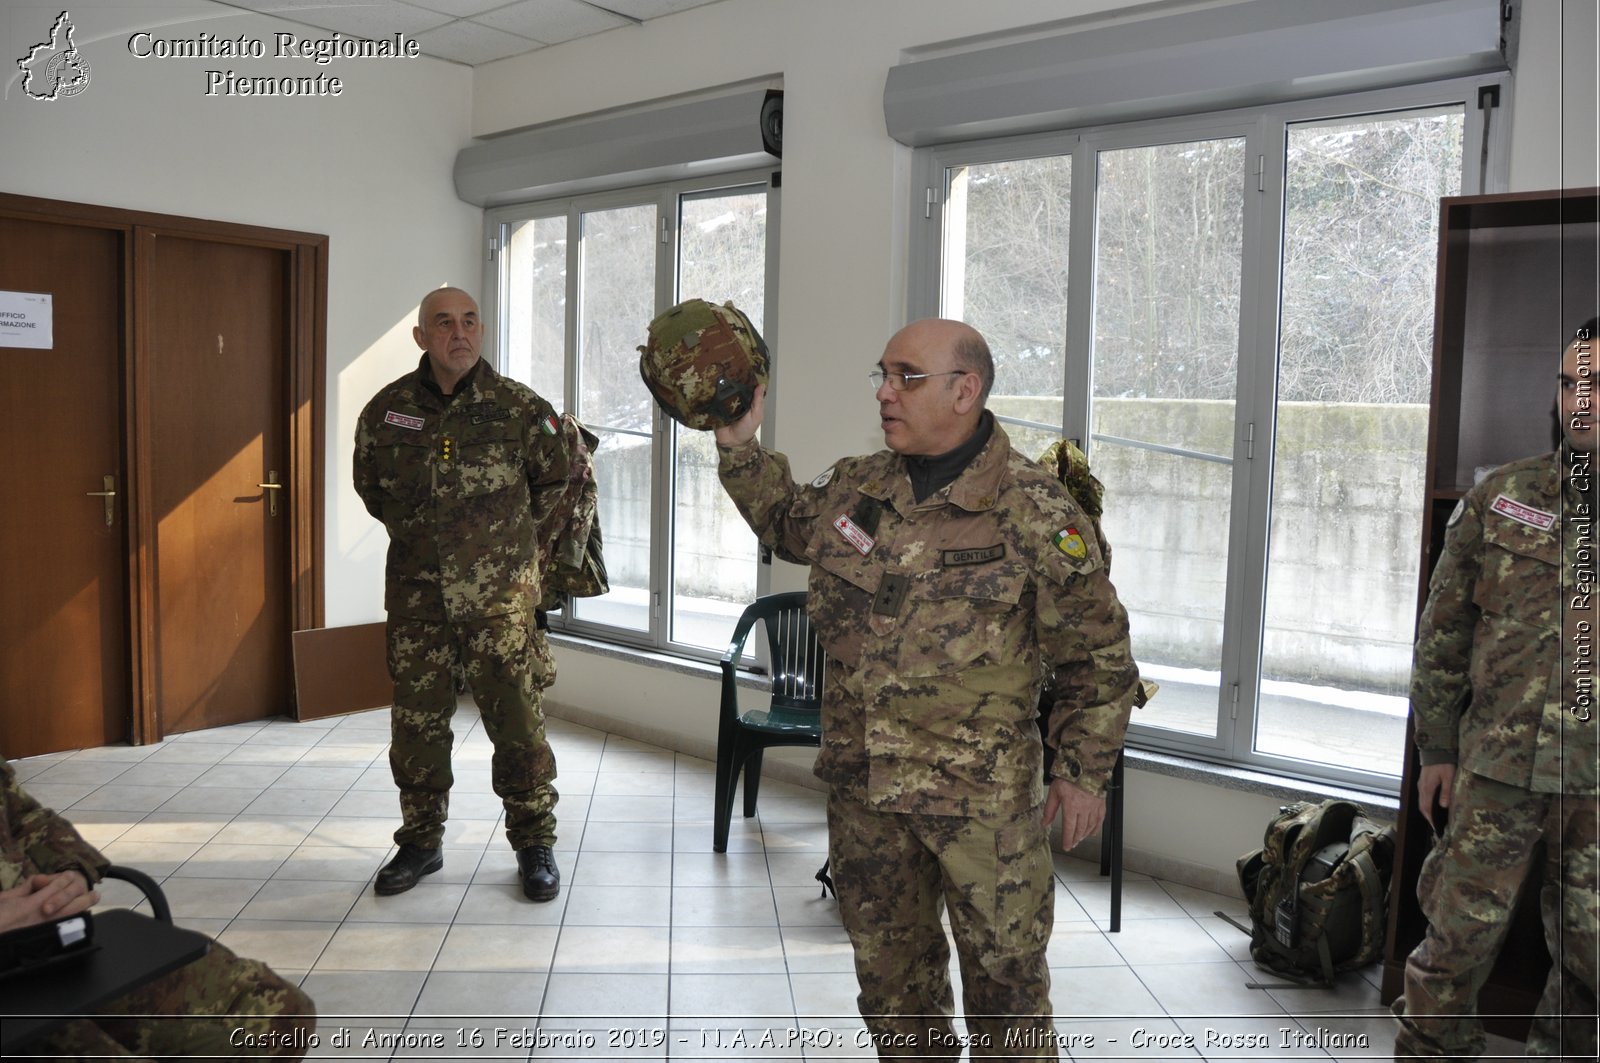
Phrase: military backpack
x=1318 y=891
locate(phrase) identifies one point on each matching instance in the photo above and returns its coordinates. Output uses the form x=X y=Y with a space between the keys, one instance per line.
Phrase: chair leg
x=727 y=779
x=1112 y=843
x=752 y=781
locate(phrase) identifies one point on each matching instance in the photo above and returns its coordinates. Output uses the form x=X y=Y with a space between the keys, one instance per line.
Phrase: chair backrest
x=795 y=655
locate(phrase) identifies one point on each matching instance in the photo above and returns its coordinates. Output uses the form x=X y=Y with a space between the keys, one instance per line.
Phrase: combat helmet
x=703 y=362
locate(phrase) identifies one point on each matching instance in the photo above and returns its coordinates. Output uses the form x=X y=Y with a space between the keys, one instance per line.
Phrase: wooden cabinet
x=1517 y=275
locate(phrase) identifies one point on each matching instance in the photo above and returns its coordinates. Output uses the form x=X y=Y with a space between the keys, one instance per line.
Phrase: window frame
x=667 y=198
x=1265 y=130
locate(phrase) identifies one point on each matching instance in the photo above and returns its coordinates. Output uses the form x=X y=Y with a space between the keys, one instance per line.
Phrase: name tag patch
x=483 y=412
x=854 y=535
x=972 y=557
x=1514 y=510
x=403 y=420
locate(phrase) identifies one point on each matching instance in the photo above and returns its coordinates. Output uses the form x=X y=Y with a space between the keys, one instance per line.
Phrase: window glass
x=722 y=251
x=616 y=299
x=1355 y=360
x=1007 y=226
x=536 y=306
x=1165 y=366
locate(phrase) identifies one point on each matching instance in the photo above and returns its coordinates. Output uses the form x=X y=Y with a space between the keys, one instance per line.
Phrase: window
x=578 y=281
x=1233 y=313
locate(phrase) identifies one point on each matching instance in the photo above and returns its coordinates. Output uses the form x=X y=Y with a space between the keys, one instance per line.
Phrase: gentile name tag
x=972 y=557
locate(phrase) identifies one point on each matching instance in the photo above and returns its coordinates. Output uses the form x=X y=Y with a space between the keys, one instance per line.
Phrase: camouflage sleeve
x=1083 y=631
x=760 y=485
x=547 y=462
x=1440 y=686
x=48 y=841
x=366 y=468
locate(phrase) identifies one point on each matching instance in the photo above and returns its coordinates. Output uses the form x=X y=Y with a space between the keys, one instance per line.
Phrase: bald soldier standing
x=1502 y=698
x=949 y=576
x=463 y=466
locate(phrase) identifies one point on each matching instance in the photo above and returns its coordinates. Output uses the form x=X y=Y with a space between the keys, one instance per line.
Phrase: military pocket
x=955 y=616
x=490 y=458
x=839 y=597
x=1521 y=575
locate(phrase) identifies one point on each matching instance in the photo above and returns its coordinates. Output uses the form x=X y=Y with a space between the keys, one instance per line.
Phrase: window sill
x=1189 y=769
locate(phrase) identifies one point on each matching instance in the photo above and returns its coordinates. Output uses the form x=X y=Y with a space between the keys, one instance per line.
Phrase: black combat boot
x=408 y=865
x=540 y=879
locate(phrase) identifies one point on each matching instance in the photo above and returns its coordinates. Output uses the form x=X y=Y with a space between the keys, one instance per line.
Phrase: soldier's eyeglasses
x=904 y=381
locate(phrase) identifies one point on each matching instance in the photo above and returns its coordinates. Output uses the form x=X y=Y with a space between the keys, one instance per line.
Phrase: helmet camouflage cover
x=702 y=363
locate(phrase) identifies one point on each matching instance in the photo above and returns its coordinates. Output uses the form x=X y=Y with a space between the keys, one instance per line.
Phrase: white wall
x=842 y=273
x=370 y=168
x=1554 y=111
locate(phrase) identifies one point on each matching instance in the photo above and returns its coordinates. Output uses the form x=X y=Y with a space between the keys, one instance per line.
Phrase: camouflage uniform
x=938 y=637
x=196 y=1009
x=1494 y=692
x=465 y=485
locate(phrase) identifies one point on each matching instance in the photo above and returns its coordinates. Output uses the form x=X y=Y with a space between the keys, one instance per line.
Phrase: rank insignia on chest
x=447 y=449
x=550 y=425
x=403 y=420
x=891 y=595
x=1069 y=542
x=854 y=535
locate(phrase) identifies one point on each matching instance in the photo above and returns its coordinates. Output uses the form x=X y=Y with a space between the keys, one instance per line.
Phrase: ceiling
x=470 y=31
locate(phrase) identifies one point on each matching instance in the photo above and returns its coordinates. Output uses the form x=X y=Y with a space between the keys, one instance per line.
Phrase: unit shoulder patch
x=1069 y=542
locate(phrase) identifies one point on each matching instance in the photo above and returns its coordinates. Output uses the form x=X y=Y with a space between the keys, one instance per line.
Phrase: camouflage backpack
x=574 y=564
x=1318 y=891
x=702 y=363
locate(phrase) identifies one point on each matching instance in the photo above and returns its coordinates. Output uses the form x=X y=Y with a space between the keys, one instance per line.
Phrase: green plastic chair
x=792 y=715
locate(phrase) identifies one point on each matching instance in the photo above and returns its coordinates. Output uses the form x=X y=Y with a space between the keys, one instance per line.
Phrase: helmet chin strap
x=733 y=397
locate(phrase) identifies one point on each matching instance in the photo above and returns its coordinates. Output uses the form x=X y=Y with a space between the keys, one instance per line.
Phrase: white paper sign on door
x=27 y=320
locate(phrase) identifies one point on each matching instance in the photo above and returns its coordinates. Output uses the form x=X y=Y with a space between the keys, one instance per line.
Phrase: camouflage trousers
x=219 y=1006
x=1469 y=889
x=506 y=664
x=894 y=873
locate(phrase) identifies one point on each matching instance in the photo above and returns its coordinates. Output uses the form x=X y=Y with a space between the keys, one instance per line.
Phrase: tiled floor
x=267 y=837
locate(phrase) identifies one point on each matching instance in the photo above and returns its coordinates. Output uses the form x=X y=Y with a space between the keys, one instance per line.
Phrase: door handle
x=271 y=489
x=110 y=497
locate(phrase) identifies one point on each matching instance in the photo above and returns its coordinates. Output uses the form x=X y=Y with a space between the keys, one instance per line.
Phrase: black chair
x=792 y=715
x=148 y=886
x=1110 y=830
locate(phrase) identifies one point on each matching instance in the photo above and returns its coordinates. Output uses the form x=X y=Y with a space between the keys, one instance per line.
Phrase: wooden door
x=64 y=646
x=214 y=324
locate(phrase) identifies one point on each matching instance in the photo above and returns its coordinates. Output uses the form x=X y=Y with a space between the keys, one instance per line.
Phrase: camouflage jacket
x=1487 y=686
x=465 y=490
x=571 y=543
x=34 y=840
x=939 y=619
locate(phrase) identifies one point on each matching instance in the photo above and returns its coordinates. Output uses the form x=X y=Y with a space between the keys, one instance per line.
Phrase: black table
x=129 y=950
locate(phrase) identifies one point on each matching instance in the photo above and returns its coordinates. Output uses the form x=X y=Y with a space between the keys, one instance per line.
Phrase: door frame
x=307 y=386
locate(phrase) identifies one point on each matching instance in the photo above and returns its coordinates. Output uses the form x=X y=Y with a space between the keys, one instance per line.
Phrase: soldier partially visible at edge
x=211 y=1007
x=949 y=574
x=1502 y=697
x=463 y=467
